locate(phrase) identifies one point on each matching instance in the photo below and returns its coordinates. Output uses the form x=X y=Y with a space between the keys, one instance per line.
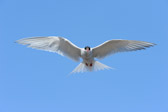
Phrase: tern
x=65 y=47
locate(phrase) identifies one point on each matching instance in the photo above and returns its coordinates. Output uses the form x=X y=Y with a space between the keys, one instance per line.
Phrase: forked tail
x=95 y=67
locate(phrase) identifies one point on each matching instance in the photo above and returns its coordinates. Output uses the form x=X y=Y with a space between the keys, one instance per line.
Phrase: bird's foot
x=89 y=64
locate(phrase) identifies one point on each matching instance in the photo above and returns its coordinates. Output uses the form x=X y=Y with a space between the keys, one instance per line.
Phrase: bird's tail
x=95 y=66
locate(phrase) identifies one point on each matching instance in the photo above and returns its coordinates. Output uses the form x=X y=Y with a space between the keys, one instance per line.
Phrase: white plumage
x=64 y=47
x=59 y=45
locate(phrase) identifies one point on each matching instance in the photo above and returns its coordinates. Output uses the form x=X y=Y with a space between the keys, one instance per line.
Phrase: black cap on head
x=87 y=47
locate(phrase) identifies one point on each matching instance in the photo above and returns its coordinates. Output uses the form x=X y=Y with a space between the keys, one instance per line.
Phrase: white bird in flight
x=64 y=47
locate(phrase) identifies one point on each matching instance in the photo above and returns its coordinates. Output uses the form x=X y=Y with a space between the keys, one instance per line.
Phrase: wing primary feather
x=115 y=46
x=56 y=44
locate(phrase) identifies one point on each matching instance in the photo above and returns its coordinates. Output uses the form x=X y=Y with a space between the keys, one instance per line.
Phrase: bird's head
x=87 y=48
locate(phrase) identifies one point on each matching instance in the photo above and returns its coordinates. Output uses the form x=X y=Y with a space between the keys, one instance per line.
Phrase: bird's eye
x=87 y=47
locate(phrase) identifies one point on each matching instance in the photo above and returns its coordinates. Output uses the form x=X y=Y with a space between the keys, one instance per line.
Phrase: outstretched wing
x=115 y=46
x=59 y=45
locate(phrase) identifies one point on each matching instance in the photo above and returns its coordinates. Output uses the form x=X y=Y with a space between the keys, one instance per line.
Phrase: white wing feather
x=114 y=46
x=59 y=45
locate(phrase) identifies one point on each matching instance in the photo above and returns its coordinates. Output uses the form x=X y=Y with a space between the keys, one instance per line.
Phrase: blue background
x=37 y=81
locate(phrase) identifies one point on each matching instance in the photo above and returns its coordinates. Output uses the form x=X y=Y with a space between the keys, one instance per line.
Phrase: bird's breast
x=87 y=56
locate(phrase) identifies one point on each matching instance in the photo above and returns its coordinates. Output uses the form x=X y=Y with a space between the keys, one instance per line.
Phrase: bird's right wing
x=114 y=46
x=59 y=45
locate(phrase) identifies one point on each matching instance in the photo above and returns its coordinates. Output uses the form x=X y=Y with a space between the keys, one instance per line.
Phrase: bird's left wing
x=114 y=46
x=59 y=45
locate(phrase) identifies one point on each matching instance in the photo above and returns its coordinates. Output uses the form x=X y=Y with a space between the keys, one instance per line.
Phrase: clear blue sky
x=36 y=81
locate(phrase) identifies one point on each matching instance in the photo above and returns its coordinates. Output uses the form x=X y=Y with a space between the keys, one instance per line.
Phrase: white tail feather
x=96 y=66
x=99 y=66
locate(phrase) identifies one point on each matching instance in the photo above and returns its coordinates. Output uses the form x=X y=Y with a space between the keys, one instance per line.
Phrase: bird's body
x=63 y=46
x=87 y=57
